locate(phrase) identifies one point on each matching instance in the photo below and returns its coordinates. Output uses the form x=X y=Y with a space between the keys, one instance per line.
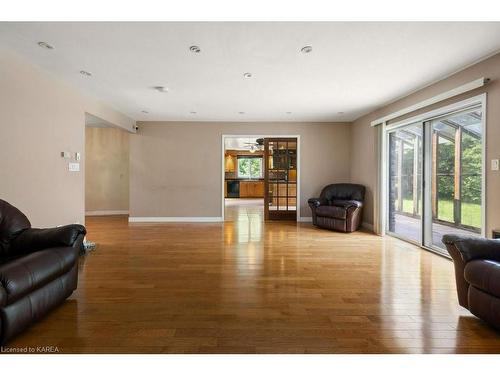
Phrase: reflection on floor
x=243 y=209
x=410 y=227
x=246 y=286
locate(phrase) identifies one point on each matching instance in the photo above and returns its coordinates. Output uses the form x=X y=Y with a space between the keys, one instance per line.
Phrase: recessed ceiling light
x=340 y=113
x=241 y=113
x=195 y=49
x=85 y=73
x=144 y=111
x=289 y=113
x=45 y=45
x=247 y=75
x=306 y=49
x=160 y=88
x=193 y=112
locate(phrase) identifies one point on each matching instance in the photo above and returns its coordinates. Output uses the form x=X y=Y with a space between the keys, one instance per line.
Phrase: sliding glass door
x=435 y=180
x=456 y=178
x=405 y=182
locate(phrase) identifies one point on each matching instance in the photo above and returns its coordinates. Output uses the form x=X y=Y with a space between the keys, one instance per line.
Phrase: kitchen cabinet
x=251 y=189
x=230 y=163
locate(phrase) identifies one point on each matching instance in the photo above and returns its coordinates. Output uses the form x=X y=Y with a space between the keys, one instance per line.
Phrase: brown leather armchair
x=477 y=274
x=339 y=207
x=38 y=269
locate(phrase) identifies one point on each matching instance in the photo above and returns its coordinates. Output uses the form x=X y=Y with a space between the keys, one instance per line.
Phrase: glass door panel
x=280 y=178
x=405 y=182
x=456 y=178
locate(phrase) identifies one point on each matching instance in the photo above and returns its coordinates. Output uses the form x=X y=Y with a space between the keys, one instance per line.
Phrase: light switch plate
x=74 y=167
x=495 y=165
x=65 y=154
x=77 y=156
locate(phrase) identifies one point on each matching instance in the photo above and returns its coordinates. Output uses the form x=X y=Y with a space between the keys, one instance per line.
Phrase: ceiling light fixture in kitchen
x=306 y=49
x=160 y=88
x=45 y=45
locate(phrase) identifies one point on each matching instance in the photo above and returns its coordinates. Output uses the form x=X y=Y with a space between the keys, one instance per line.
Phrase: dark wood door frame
x=285 y=169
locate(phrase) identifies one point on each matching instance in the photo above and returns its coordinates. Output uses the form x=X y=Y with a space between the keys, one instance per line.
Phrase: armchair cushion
x=32 y=239
x=332 y=211
x=484 y=275
x=23 y=275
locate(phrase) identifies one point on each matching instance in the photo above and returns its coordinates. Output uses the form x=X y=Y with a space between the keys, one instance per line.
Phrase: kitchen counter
x=244 y=188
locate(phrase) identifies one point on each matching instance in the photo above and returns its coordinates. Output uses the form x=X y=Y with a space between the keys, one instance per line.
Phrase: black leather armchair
x=477 y=274
x=38 y=269
x=339 y=207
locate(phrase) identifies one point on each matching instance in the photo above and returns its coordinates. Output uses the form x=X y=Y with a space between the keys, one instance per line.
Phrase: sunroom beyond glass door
x=405 y=182
x=456 y=178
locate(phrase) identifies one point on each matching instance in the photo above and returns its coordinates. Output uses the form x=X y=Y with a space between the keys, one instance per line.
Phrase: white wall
x=39 y=117
x=176 y=167
x=106 y=170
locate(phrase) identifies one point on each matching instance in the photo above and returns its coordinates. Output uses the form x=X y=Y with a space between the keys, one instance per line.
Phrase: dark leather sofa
x=477 y=274
x=339 y=207
x=38 y=269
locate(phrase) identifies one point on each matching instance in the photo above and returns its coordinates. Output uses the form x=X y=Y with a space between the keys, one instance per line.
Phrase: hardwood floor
x=248 y=287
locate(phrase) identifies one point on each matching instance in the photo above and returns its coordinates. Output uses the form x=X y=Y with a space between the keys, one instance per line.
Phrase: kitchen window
x=250 y=167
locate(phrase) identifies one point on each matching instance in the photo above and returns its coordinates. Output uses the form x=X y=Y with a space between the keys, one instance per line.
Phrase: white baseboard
x=367 y=226
x=172 y=219
x=106 y=212
x=305 y=219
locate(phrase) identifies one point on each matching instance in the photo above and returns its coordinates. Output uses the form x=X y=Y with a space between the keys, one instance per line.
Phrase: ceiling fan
x=258 y=145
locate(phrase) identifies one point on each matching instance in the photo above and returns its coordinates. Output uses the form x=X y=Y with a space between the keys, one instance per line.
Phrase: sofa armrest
x=347 y=203
x=470 y=248
x=316 y=202
x=34 y=239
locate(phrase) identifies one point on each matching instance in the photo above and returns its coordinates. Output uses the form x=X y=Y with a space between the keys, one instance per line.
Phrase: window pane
x=405 y=178
x=243 y=167
x=250 y=167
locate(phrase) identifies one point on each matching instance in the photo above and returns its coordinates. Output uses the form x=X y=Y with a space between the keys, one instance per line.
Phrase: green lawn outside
x=471 y=212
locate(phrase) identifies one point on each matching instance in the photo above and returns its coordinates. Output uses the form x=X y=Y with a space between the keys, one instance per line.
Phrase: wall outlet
x=74 y=167
x=495 y=165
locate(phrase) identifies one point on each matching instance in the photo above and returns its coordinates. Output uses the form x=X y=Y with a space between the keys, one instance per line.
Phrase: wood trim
x=106 y=212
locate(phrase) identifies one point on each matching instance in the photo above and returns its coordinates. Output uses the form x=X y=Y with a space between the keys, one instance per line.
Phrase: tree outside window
x=250 y=167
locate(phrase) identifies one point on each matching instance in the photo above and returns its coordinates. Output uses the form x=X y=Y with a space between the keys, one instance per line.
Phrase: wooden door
x=280 y=178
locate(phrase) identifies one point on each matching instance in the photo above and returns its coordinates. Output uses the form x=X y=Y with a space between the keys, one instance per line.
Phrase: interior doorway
x=260 y=178
x=243 y=178
x=106 y=168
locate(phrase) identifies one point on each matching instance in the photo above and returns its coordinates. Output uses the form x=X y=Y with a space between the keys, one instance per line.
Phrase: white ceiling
x=353 y=68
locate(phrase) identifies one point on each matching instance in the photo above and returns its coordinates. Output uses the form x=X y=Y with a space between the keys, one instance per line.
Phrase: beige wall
x=40 y=117
x=363 y=141
x=176 y=167
x=106 y=169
